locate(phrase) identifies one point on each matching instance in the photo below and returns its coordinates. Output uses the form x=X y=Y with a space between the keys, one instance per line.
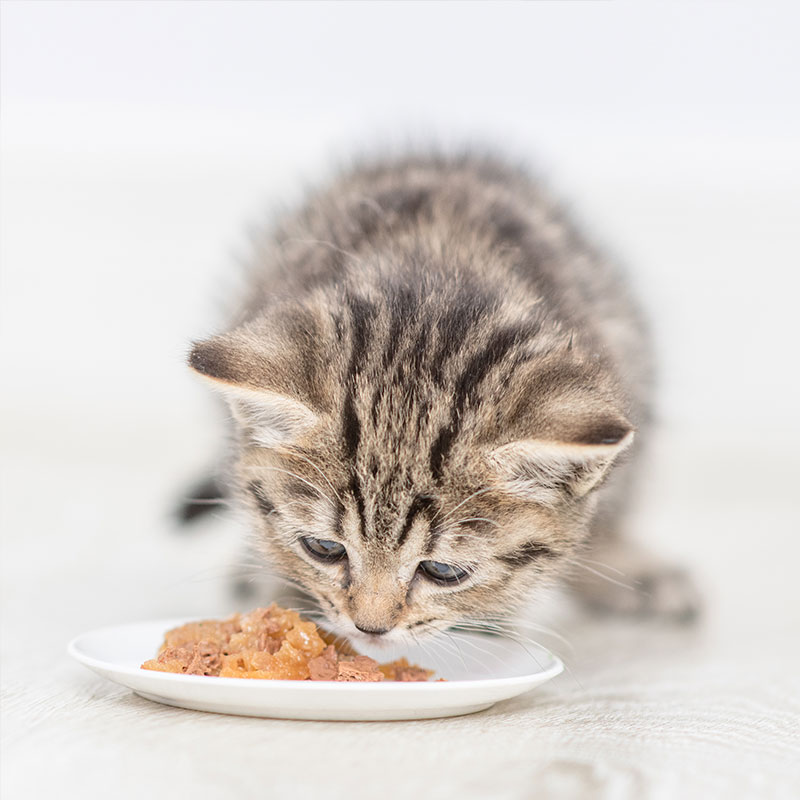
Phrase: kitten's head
x=415 y=459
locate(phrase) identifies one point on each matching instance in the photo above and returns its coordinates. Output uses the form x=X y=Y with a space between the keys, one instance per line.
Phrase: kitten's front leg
x=616 y=576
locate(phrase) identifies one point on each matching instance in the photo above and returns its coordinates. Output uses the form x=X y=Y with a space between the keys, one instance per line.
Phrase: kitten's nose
x=375 y=631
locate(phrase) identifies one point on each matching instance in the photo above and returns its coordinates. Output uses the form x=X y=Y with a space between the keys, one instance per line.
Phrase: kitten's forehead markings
x=365 y=323
x=420 y=505
x=499 y=345
x=360 y=314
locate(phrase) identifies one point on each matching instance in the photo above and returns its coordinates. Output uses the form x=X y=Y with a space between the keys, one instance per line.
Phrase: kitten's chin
x=384 y=641
x=366 y=641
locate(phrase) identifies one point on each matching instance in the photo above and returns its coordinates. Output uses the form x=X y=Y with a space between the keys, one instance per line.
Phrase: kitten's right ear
x=257 y=386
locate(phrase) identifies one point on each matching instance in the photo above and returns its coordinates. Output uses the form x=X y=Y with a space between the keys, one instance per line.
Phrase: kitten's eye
x=323 y=549
x=442 y=573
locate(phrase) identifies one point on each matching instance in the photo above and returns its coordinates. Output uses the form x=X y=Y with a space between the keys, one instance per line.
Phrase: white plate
x=480 y=672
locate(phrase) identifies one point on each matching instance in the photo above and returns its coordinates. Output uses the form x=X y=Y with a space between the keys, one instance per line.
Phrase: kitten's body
x=431 y=366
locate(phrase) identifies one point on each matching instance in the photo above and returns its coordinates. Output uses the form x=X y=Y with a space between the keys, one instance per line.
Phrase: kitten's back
x=471 y=218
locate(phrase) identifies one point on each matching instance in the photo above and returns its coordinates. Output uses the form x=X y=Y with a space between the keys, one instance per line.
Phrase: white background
x=140 y=141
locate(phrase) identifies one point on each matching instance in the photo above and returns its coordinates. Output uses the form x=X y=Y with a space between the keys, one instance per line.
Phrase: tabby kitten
x=434 y=380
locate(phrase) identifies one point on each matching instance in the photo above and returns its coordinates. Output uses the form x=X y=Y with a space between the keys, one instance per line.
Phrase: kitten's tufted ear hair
x=548 y=471
x=258 y=376
x=558 y=428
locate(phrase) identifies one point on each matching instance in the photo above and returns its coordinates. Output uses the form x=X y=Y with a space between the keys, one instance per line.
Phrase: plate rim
x=74 y=651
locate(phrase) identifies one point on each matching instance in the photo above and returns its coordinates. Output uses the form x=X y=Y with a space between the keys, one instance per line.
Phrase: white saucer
x=484 y=671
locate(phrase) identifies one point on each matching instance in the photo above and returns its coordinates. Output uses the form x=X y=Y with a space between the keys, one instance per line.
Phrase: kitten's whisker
x=500 y=632
x=495 y=629
x=294 y=475
x=423 y=646
x=324 y=477
x=206 y=501
x=466 y=500
x=607 y=566
x=518 y=640
x=562 y=656
x=455 y=642
x=604 y=577
x=475 y=646
x=472 y=643
x=512 y=625
x=284 y=506
x=447 y=646
x=476 y=519
x=511 y=631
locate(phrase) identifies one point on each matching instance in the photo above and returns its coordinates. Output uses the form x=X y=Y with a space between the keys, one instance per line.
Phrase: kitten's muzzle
x=376 y=604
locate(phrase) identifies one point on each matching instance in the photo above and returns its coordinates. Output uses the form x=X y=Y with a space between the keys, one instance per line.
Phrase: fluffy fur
x=430 y=364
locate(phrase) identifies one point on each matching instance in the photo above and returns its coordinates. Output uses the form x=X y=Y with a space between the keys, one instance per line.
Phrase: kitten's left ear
x=545 y=471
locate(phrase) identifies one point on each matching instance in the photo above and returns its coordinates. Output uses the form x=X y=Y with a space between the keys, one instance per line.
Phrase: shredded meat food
x=271 y=643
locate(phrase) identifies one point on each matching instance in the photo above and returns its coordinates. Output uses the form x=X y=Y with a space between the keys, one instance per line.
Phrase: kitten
x=439 y=390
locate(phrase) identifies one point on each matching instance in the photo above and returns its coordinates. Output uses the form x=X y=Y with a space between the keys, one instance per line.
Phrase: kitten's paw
x=206 y=496
x=669 y=593
x=638 y=587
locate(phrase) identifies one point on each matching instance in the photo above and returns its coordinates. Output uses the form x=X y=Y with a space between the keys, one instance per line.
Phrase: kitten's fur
x=431 y=364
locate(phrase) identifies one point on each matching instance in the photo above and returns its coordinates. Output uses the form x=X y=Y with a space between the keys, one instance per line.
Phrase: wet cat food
x=271 y=643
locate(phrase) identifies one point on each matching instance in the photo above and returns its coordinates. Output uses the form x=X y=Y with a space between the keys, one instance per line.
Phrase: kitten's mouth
x=344 y=627
x=374 y=641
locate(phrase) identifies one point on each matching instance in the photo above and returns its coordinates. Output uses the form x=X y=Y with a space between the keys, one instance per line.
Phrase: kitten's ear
x=558 y=427
x=257 y=381
x=546 y=471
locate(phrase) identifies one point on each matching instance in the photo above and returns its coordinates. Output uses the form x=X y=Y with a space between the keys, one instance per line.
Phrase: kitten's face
x=399 y=560
x=414 y=462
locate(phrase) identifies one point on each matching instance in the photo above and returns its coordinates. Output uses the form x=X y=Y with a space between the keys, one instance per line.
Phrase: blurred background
x=142 y=140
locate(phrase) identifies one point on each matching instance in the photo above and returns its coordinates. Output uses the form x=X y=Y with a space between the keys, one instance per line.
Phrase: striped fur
x=430 y=364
